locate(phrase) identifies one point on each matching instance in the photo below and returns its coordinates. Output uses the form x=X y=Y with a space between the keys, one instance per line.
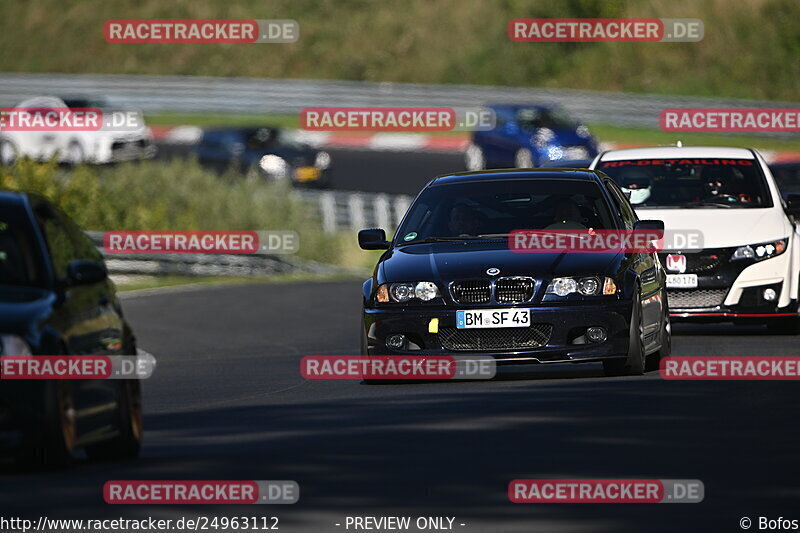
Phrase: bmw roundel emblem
x=493 y=271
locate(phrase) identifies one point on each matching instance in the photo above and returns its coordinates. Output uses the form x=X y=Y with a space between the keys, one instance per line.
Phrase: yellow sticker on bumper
x=433 y=326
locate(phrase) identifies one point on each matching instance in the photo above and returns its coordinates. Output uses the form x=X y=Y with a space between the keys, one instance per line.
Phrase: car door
x=647 y=269
x=84 y=315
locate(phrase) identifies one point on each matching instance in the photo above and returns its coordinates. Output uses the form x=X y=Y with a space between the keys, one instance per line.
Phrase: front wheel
x=128 y=442
x=51 y=439
x=634 y=363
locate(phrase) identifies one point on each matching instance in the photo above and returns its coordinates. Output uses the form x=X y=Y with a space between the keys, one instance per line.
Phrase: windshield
x=496 y=208
x=534 y=119
x=18 y=254
x=685 y=183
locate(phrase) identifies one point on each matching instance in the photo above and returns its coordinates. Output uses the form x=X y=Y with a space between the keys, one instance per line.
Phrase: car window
x=710 y=182
x=622 y=205
x=494 y=208
x=20 y=260
x=59 y=243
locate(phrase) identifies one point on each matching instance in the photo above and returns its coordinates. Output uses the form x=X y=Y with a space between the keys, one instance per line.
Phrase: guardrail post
x=327 y=207
x=383 y=212
x=355 y=207
x=401 y=204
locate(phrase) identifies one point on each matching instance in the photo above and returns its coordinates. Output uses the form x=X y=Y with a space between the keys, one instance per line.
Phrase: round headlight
x=564 y=286
x=588 y=286
x=425 y=290
x=402 y=292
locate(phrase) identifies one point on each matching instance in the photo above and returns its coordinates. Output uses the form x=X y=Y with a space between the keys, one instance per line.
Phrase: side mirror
x=372 y=239
x=649 y=225
x=82 y=272
x=793 y=205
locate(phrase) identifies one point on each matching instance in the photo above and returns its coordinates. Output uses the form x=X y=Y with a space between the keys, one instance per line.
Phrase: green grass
x=749 y=50
x=178 y=195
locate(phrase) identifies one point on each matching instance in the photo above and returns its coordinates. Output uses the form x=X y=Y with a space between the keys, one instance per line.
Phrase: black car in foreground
x=56 y=299
x=438 y=286
x=268 y=152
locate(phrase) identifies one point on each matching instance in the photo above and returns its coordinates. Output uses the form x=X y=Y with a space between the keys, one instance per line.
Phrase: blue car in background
x=264 y=151
x=528 y=136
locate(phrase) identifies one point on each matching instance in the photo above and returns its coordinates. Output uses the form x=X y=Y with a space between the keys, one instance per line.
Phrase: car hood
x=722 y=228
x=444 y=262
x=23 y=309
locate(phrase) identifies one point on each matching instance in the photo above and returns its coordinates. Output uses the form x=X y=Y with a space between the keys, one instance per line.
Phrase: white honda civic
x=732 y=245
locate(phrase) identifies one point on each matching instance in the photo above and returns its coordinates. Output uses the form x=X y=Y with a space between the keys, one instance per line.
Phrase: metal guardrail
x=338 y=210
x=343 y=210
x=209 y=265
x=252 y=95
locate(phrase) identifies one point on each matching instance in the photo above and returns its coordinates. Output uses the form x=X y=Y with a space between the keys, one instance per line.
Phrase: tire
x=75 y=154
x=8 y=153
x=128 y=443
x=474 y=158
x=634 y=363
x=654 y=359
x=523 y=158
x=51 y=440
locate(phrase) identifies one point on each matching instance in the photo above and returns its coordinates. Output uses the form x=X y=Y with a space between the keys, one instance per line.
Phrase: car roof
x=9 y=198
x=521 y=174
x=670 y=152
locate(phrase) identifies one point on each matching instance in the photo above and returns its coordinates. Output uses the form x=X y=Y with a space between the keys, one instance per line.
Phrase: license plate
x=307 y=173
x=681 y=281
x=493 y=318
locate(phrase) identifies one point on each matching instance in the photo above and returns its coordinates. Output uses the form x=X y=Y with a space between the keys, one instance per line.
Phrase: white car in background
x=128 y=141
x=743 y=264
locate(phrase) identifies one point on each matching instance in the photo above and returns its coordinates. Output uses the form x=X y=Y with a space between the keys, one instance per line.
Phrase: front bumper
x=735 y=291
x=564 y=325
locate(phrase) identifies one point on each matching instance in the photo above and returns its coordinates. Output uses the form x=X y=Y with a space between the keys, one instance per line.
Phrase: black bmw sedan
x=450 y=283
x=56 y=299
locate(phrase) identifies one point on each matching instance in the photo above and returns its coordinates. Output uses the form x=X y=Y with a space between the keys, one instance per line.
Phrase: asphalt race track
x=227 y=402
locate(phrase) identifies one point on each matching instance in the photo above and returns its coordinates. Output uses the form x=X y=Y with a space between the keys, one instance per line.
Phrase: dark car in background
x=787 y=177
x=265 y=151
x=56 y=299
x=528 y=136
x=449 y=272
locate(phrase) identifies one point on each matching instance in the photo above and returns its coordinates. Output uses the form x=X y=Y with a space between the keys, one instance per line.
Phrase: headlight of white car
x=759 y=252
